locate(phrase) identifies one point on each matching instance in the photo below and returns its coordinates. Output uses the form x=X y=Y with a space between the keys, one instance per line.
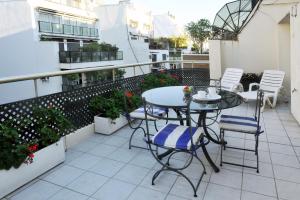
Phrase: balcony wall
x=75 y=103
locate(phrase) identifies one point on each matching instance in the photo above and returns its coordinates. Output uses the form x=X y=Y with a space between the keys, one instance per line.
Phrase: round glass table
x=173 y=96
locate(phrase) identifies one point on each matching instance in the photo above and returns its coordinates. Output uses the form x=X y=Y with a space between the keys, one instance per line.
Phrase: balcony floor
x=102 y=167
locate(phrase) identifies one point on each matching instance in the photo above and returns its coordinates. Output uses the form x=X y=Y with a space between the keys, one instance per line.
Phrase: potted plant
x=22 y=161
x=110 y=111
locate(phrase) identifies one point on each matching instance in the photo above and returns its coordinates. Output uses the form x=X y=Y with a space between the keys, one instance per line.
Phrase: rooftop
x=102 y=167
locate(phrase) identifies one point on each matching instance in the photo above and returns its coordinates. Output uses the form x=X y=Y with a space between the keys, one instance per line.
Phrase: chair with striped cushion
x=174 y=138
x=271 y=83
x=138 y=116
x=241 y=124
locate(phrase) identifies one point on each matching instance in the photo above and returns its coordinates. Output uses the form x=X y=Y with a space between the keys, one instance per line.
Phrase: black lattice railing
x=75 y=103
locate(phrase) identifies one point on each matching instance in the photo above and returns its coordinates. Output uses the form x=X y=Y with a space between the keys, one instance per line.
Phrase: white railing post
x=36 y=92
x=114 y=75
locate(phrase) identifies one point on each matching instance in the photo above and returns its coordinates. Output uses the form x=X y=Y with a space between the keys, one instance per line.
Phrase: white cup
x=212 y=91
x=201 y=94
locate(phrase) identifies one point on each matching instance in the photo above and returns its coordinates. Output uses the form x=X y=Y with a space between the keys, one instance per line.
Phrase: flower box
x=108 y=126
x=44 y=160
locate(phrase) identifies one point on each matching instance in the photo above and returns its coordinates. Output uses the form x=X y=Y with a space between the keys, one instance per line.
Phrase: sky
x=185 y=11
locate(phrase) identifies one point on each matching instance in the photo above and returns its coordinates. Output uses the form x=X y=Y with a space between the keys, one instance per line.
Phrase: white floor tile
x=253 y=196
x=114 y=190
x=40 y=190
x=183 y=189
x=288 y=190
x=163 y=182
x=65 y=194
x=227 y=178
x=144 y=159
x=218 y=192
x=84 y=161
x=259 y=184
x=124 y=154
x=64 y=175
x=146 y=194
x=287 y=173
x=132 y=174
x=107 y=167
x=102 y=150
x=283 y=149
x=88 y=183
x=285 y=160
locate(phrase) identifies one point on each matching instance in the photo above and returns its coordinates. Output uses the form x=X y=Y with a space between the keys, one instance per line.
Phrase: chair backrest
x=231 y=78
x=271 y=80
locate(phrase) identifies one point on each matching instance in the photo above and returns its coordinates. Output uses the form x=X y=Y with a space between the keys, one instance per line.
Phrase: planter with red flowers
x=20 y=160
x=110 y=111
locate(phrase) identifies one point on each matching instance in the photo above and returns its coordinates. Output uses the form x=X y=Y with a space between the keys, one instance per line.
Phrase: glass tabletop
x=174 y=97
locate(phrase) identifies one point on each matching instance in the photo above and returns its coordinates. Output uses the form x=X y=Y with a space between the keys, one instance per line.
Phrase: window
x=133 y=24
x=134 y=38
x=164 y=56
x=146 y=40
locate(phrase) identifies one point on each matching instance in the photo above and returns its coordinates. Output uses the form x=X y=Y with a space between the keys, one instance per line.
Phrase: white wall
x=22 y=54
x=263 y=44
x=295 y=64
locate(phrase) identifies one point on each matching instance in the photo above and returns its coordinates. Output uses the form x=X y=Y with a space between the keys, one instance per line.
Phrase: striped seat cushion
x=176 y=136
x=140 y=113
x=239 y=123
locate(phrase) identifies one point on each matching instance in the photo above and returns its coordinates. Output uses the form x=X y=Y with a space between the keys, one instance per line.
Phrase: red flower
x=128 y=94
x=33 y=148
x=31 y=155
x=143 y=81
x=175 y=76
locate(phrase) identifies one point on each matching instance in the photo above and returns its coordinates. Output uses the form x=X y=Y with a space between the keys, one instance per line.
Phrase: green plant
x=105 y=107
x=104 y=47
x=14 y=151
x=113 y=105
x=199 y=32
x=50 y=124
x=248 y=78
x=158 y=80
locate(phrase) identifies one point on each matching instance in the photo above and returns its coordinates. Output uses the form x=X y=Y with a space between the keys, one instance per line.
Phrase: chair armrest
x=251 y=85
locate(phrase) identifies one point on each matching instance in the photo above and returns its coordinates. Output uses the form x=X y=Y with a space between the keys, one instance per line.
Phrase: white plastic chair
x=271 y=83
x=231 y=79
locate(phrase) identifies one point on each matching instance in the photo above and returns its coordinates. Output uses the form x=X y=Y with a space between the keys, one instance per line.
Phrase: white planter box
x=108 y=126
x=43 y=160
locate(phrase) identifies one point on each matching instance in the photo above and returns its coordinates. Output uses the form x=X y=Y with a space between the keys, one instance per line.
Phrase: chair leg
x=222 y=139
x=256 y=153
x=135 y=129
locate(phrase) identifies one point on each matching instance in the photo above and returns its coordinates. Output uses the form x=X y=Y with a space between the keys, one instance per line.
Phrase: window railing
x=85 y=56
x=66 y=29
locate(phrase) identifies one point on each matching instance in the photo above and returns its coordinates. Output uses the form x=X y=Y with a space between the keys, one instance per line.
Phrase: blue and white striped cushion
x=238 y=123
x=140 y=113
x=176 y=136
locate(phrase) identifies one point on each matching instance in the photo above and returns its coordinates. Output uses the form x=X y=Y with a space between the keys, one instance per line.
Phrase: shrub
x=50 y=125
x=14 y=151
x=114 y=104
x=248 y=78
x=160 y=79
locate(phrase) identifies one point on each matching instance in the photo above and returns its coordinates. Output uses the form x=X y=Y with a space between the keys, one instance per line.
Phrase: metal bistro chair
x=138 y=115
x=241 y=124
x=178 y=139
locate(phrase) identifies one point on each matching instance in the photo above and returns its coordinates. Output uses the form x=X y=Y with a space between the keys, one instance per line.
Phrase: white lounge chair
x=231 y=79
x=271 y=83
